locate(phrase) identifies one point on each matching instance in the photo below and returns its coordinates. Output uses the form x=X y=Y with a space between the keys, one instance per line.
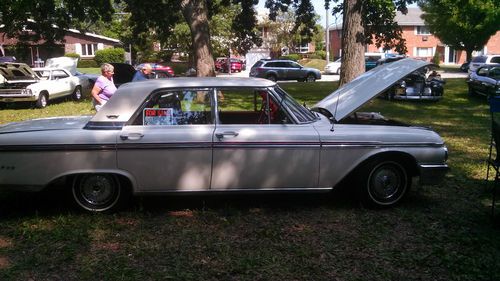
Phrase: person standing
x=104 y=86
x=143 y=73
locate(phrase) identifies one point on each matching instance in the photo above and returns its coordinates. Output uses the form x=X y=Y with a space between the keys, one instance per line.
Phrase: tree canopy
x=463 y=24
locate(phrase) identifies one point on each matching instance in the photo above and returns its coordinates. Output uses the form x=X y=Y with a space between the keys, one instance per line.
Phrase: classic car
x=212 y=135
x=485 y=80
x=19 y=82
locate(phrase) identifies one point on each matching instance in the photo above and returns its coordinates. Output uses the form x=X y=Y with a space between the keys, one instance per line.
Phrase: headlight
x=27 y=92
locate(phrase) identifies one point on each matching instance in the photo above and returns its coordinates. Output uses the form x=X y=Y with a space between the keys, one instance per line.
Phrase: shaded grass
x=438 y=233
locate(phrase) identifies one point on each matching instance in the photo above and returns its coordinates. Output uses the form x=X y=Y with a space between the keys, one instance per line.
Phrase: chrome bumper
x=432 y=174
x=397 y=97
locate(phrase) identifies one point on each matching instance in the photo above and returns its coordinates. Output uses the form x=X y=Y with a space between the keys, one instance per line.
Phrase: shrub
x=72 y=55
x=109 y=55
x=320 y=55
x=294 y=57
x=436 y=58
x=87 y=64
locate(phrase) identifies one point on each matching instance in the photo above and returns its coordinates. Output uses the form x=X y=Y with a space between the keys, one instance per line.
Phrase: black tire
x=382 y=183
x=77 y=93
x=99 y=192
x=310 y=77
x=471 y=91
x=43 y=100
x=271 y=77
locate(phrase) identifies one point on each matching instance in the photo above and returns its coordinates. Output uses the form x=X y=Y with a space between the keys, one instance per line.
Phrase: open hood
x=63 y=62
x=13 y=72
x=367 y=86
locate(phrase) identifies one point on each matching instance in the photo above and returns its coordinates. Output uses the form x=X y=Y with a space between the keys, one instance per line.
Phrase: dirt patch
x=4 y=262
x=5 y=242
x=185 y=214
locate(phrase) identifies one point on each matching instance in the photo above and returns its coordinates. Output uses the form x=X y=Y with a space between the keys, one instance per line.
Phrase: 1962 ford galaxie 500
x=191 y=135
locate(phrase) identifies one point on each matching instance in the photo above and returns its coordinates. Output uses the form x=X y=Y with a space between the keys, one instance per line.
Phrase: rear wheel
x=382 y=183
x=471 y=91
x=98 y=192
x=271 y=77
x=310 y=77
x=77 y=93
x=43 y=100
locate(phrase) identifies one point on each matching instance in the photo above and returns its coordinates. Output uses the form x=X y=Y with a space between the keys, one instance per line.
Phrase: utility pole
x=327 y=34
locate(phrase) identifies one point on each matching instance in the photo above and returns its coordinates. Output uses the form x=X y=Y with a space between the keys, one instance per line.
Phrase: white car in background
x=333 y=67
x=19 y=82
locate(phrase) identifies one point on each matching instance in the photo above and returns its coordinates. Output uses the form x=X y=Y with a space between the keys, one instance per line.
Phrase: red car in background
x=221 y=65
x=157 y=66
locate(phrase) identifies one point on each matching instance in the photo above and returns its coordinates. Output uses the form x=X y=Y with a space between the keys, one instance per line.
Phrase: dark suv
x=283 y=70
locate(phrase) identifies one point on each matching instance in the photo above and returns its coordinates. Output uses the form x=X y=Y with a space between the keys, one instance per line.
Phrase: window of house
x=423 y=30
x=89 y=49
x=424 y=52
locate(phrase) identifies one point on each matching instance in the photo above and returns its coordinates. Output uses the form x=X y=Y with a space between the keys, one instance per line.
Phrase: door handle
x=228 y=133
x=132 y=136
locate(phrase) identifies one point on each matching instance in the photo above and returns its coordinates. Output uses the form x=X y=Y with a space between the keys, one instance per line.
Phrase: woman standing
x=104 y=86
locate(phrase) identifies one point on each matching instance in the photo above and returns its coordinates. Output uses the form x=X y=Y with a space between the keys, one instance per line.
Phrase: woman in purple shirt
x=104 y=86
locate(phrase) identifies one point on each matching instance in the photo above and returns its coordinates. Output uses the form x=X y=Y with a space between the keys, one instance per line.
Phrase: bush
x=436 y=58
x=320 y=55
x=294 y=57
x=72 y=55
x=87 y=64
x=110 y=55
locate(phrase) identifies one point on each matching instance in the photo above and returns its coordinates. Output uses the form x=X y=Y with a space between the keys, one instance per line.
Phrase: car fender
x=73 y=173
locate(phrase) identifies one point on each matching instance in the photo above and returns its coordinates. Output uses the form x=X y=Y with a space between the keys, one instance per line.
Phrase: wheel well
x=406 y=160
x=68 y=180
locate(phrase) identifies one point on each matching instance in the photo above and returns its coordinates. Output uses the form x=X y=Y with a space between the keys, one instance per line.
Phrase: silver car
x=275 y=70
x=192 y=135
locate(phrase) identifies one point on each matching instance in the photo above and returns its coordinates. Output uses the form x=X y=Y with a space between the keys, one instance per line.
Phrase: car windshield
x=303 y=114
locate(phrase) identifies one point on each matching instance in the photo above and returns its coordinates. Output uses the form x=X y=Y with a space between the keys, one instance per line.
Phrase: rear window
x=495 y=60
x=257 y=64
x=481 y=59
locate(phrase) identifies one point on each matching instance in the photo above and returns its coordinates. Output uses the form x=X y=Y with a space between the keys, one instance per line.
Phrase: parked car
x=7 y=59
x=371 y=60
x=482 y=60
x=20 y=82
x=275 y=70
x=419 y=85
x=158 y=67
x=221 y=65
x=170 y=136
x=333 y=67
x=485 y=80
x=390 y=59
x=465 y=66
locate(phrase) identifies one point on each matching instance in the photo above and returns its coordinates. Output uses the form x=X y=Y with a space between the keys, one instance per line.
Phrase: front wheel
x=98 y=192
x=43 y=100
x=382 y=183
x=77 y=93
x=271 y=77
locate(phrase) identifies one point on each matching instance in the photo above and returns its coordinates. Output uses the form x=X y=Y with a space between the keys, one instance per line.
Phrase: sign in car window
x=158 y=116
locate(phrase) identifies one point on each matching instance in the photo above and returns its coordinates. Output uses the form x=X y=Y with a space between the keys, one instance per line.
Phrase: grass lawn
x=438 y=233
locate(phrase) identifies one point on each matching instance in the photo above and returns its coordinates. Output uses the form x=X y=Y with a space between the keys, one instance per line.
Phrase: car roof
x=131 y=95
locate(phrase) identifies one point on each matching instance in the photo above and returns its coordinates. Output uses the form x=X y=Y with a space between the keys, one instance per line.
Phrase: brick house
x=33 y=53
x=419 y=42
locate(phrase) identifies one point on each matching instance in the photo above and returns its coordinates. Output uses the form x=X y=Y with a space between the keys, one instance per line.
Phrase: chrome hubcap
x=97 y=190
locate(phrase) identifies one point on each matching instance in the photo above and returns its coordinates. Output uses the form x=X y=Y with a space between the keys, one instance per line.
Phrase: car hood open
x=66 y=63
x=367 y=86
x=14 y=72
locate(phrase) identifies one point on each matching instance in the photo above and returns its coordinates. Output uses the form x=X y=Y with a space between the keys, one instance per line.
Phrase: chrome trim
x=56 y=147
x=183 y=145
x=378 y=144
x=240 y=190
x=432 y=174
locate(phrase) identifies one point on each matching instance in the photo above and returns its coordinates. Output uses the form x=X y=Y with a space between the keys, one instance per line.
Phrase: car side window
x=495 y=60
x=249 y=106
x=177 y=107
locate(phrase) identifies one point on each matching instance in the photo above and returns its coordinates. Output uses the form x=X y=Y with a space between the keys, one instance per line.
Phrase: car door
x=294 y=71
x=167 y=145
x=65 y=83
x=481 y=81
x=257 y=145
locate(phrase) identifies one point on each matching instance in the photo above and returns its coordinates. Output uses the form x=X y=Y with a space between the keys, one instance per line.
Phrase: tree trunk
x=353 y=46
x=195 y=13
x=468 y=54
